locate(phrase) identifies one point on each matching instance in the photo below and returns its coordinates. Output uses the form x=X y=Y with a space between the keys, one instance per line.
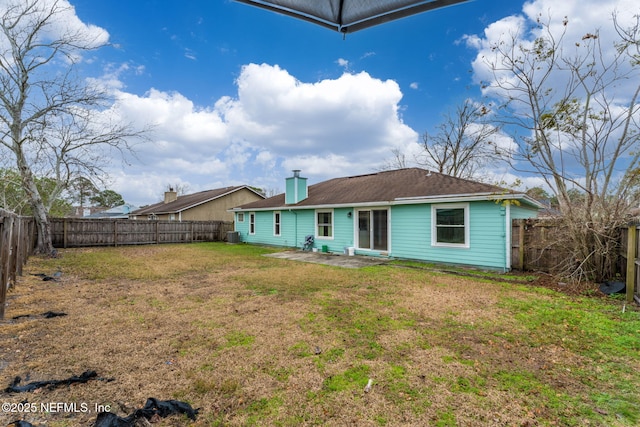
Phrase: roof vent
x=296 y=173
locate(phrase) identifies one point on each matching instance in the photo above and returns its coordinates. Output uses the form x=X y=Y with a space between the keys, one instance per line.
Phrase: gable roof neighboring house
x=392 y=187
x=204 y=205
x=407 y=213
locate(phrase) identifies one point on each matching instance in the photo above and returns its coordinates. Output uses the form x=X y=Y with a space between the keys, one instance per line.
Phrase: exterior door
x=373 y=229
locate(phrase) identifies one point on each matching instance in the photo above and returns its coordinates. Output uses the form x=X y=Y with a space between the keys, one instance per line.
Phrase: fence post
x=64 y=233
x=521 y=244
x=14 y=244
x=22 y=245
x=5 y=247
x=631 y=262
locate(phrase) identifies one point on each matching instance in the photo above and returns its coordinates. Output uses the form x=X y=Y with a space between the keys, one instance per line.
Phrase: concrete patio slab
x=329 y=259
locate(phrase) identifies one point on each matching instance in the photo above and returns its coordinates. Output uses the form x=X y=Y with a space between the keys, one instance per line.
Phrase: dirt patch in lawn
x=251 y=340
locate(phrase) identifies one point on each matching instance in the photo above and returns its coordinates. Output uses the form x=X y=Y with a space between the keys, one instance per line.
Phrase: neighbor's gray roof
x=121 y=211
x=348 y=16
x=388 y=186
x=188 y=201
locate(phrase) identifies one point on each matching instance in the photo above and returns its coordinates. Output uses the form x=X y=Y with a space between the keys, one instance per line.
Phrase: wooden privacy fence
x=78 y=232
x=630 y=261
x=17 y=240
x=537 y=246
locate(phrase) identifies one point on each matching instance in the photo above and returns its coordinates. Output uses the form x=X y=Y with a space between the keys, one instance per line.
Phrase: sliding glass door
x=373 y=229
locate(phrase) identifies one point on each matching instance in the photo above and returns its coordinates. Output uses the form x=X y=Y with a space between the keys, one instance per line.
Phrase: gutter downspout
x=507 y=229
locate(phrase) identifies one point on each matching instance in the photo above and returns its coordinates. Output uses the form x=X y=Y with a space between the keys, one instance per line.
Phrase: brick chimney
x=170 y=196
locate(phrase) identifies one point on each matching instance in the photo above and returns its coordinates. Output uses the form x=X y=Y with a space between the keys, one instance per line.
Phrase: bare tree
x=52 y=123
x=464 y=143
x=576 y=130
x=180 y=188
x=397 y=161
x=269 y=191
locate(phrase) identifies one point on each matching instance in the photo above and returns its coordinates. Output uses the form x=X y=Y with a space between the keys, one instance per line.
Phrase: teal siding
x=411 y=236
x=523 y=212
x=342 y=231
x=295 y=226
x=241 y=227
x=411 y=231
x=305 y=221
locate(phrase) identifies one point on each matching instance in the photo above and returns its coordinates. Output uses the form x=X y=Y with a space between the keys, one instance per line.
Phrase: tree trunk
x=44 y=243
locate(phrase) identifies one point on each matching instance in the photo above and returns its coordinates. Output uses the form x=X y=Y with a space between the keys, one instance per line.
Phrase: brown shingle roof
x=383 y=186
x=188 y=201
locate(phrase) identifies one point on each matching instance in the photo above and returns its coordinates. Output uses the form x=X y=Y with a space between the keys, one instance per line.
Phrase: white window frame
x=318 y=211
x=277 y=224
x=252 y=223
x=434 y=231
x=357 y=231
x=240 y=216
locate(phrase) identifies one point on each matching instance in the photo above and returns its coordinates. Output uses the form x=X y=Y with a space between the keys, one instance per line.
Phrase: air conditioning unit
x=233 y=237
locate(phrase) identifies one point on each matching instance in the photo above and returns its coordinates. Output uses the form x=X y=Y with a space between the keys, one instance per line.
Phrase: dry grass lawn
x=251 y=340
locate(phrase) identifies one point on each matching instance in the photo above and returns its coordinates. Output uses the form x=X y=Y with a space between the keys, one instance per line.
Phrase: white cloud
x=331 y=164
x=175 y=118
x=281 y=112
x=189 y=54
x=271 y=124
x=62 y=24
x=580 y=16
x=266 y=158
x=343 y=62
x=67 y=22
x=568 y=22
x=274 y=123
x=414 y=85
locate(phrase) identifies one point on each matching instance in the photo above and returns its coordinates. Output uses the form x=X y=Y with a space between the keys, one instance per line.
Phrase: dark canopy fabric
x=348 y=16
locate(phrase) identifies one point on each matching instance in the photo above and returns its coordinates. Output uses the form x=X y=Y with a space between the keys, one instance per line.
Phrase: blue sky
x=240 y=95
x=197 y=48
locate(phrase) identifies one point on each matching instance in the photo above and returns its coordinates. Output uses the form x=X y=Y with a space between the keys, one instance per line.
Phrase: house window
x=450 y=225
x=252 y=223
x=276 y=223
x=324 y=224
x=240 y=216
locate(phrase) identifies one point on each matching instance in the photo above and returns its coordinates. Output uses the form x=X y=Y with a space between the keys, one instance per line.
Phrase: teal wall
x=523 y=212
x=343 y=231
x=264 y=231
x=295 y=226
x=409 y=237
